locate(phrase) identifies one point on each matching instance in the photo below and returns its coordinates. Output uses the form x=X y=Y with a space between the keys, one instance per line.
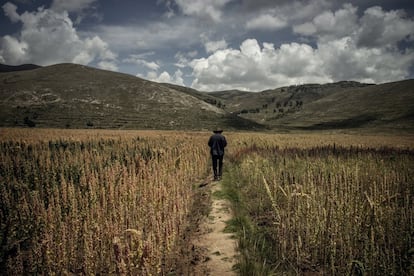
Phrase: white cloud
x=183 y=59
x=212 y=46
x=330 y=25
x=154 y=35
x=370 y=45
x=251 y=49
x=268 y=15
x=165 y=77
x=94 y=48
x=292 y=10
x=256 y=67
x=376 y=28
x=10 y=10
x=138 y=60
x=303 y=10
x=169 y=5
x=266 y=22
x=207 y=9
x=379 y=28
x=71 y=6
x=48 y=37
x=307 y=28
x=344 y=60
x=108 y=65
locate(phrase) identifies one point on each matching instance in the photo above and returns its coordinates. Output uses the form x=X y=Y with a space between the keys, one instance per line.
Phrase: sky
x=213 y=45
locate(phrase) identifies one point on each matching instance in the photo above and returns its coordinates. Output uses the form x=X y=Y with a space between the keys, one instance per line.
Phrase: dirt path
x=205 y=249
x=219 y=247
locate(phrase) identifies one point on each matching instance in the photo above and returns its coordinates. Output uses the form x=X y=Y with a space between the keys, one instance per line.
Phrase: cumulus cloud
x=373 y=45
x=71 y=6
x=207 y=9
x=165 y=77
x=255 y=68
x=345 y=60
x=268 y=15
x=307 y=29
x=48 y=37
x=330 y=24
x=347 y=47
x=108 y=65
x=10 y=10
x=266 y=22
x=379 y=27
x=212 y=46
x=376 y=28
x=139 y=60
x=183 y=59
x=304 y=10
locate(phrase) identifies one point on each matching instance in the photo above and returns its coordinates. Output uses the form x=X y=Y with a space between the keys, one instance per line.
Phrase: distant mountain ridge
x=77 y=96
x=12 y=68
x=341 y=105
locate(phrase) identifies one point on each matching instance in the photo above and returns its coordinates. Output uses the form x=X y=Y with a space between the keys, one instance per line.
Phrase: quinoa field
x=99 y=202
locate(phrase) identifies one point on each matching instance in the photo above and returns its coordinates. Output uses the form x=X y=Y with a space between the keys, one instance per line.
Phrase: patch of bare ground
x=206 y=249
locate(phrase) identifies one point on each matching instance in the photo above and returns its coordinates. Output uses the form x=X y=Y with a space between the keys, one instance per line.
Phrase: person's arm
x=210 y=142
x=224 y=142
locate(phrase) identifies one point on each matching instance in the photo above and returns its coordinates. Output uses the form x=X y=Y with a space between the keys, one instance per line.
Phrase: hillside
x=12 y=68
x=341 y=105
x=386 y=106
x=75 y=96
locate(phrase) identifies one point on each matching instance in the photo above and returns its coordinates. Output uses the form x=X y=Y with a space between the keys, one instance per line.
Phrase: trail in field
x=220 y=247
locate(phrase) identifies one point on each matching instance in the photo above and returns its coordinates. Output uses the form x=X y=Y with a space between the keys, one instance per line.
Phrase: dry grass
x=324 y=204
x=95 y=202
x=115 y=202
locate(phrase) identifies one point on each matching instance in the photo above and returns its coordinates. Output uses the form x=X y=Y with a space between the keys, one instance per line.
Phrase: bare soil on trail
x=221 y=246
x=206 y=248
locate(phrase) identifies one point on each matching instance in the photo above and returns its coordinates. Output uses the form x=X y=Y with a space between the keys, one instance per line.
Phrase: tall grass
x=327 y=210
x=95 y=202
x=116 y=202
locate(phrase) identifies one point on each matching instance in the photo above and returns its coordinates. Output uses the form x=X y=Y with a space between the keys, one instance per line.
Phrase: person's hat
x=218 y=130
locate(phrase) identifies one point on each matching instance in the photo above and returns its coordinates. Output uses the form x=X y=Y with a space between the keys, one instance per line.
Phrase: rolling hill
x=76 y=96
x=12 y=68
x=341 y=105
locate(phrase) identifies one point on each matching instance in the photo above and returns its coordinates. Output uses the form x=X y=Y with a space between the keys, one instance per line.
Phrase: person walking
x=217 y=143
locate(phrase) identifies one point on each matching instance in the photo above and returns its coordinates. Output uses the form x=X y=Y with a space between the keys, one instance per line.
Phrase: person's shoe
x=216 y=178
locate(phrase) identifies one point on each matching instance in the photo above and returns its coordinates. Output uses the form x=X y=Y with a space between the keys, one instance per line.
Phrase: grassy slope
x=340 y=105
x=68 y=95
x=23 y=67
x=388 y=105
x=76 y=96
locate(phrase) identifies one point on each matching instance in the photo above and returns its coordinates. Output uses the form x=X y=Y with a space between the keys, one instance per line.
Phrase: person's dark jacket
x=217 y=143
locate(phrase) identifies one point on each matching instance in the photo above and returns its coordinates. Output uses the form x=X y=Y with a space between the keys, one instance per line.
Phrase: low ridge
x=12 y=68
x=77 y=96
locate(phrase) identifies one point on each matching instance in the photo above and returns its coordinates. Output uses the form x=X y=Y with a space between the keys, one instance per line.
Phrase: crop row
x=95 y=204
x=324 y=210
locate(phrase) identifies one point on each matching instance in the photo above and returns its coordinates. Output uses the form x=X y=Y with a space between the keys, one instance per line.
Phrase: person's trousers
x=217 y=165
